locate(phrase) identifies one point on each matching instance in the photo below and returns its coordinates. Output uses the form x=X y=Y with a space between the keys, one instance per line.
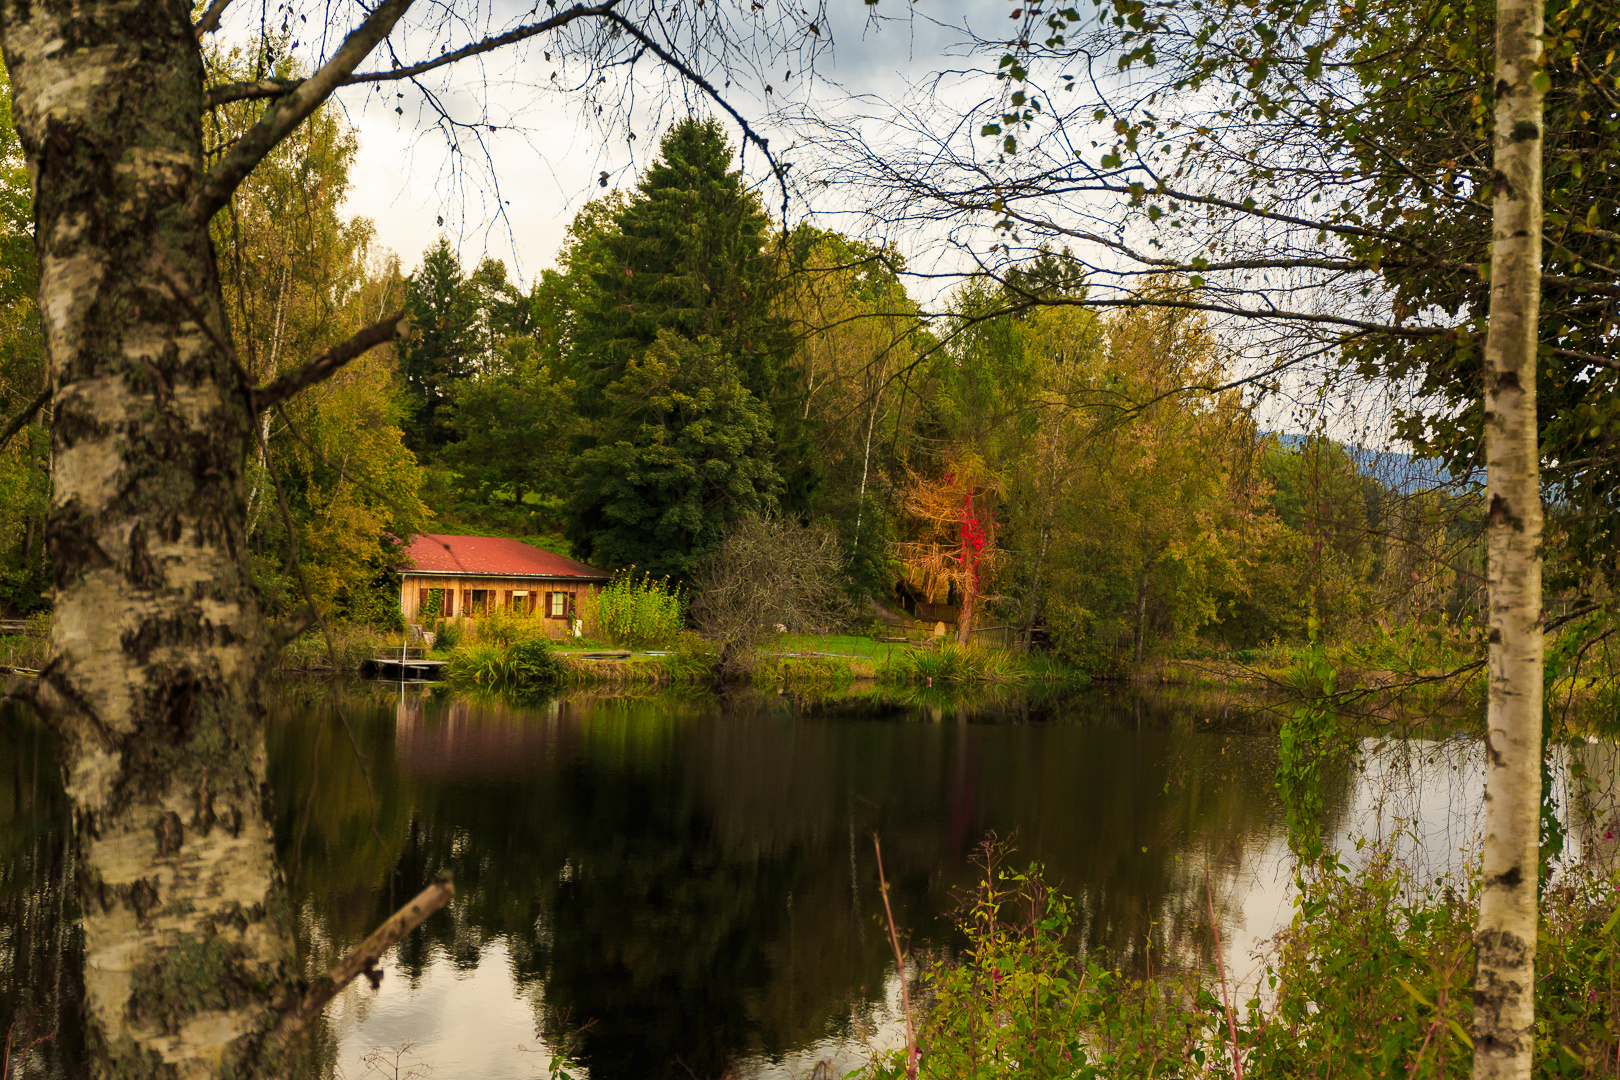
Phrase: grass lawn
x=841 y=644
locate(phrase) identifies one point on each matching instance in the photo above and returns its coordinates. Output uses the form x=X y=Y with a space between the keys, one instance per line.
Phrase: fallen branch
x=899 y=966
x=20 y=421
x=364 y=956
x=394 y=328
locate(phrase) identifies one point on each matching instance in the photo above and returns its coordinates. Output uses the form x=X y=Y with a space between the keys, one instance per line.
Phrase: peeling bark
x=1504 y=985
x=153 y=682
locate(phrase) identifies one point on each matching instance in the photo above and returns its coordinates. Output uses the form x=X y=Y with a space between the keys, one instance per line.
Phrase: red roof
x=432 y=553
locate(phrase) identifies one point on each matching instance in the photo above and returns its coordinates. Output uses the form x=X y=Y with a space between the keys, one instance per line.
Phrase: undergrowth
x=951 y=664
x=1372 y=978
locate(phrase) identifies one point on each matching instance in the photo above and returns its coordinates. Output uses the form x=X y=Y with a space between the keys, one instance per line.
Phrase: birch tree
x=158 y=640
x=1505 y=972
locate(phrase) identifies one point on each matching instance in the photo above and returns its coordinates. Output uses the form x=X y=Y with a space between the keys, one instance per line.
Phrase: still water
x=687 y=887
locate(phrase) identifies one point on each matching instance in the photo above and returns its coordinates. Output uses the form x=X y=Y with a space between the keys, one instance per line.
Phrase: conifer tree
x=688 y=253
x=683 y=452
x=443 y=312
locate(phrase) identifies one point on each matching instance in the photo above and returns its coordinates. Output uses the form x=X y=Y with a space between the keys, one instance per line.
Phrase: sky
x=499 y=152
x=529 y=155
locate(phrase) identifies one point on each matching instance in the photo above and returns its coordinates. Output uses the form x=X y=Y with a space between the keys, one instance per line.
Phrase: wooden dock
x=410 y=667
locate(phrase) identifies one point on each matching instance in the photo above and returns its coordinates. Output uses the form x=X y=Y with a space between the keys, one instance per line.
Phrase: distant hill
x=1392 y=468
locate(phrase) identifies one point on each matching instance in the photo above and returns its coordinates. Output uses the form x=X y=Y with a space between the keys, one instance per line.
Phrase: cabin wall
x=461 y=600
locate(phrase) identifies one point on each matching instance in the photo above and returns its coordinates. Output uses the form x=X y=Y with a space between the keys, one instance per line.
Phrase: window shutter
x=421 y=601
x=547 y=611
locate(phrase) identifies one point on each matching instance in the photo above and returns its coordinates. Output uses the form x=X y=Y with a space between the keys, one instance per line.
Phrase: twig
x=224 y=93
x=366 y=954
x=287 y=113
x=899 y=965
x=1226 y=1001
x=20 y=421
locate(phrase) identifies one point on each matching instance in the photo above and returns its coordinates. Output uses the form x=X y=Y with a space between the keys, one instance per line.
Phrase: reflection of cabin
x=448 y=577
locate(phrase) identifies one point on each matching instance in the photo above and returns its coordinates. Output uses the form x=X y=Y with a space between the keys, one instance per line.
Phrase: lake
x=682 y=886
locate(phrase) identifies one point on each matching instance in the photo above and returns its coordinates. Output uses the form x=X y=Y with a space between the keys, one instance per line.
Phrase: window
x=479 y=598
x=430 y=604
x=559 y=605
x=518 y=601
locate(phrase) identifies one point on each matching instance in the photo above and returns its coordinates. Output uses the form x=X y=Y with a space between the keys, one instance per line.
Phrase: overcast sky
x=510 y=192
x=499 y=152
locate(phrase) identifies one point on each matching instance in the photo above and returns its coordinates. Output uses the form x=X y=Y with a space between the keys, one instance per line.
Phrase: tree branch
x=20 y=421
x=281 y=118
x=248 y=90
x=366 y=954
x=210 y=20
x=394 y=328
x=1571 y=354
x=707 y=87
x=305 y=618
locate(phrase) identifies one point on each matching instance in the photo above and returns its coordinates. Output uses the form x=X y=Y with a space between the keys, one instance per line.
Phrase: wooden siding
x=498 y=592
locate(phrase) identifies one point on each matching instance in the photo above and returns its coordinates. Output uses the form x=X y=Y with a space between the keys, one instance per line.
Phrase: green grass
x=839 y=644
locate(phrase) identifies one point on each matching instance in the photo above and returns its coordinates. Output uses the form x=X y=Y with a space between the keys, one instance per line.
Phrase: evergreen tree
x=687 y=253
x=684 y=450
x=443 y=346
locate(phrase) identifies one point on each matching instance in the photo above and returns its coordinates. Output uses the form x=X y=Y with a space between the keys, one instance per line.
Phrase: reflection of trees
x=701 y=884
x=40 y=942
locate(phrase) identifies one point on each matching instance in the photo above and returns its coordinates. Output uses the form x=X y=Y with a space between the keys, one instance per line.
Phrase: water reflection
x=688 y=886
x=697 y=882
x=41 y=953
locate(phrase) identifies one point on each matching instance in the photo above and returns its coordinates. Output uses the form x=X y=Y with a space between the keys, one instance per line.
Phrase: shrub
x=447 y=635
x=526 y=666
x=770 y=572
x=640 y=613
x=498 y=626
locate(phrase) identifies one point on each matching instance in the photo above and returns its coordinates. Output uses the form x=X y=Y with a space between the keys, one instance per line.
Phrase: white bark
x=1504 y=987
x=156 y=638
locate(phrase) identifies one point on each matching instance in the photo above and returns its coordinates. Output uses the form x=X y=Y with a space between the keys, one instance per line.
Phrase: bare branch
x=1570 y=354
x=210 y=20
x=20 y=421
x=393 y=328
x=281 y=118
x=366 y=954
x=692 y=76
x=271 y=88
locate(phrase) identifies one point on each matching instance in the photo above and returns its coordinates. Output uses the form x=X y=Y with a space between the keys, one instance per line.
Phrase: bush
x=640 y=613
x=526 y=666
x=446 y=635
x=770 y=572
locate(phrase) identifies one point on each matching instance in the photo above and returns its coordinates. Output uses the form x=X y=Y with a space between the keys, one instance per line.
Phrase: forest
x=686 y=366
x=1257 y=351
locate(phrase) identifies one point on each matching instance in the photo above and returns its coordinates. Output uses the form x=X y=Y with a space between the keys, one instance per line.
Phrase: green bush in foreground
x=951 y=664
x=1371 y=979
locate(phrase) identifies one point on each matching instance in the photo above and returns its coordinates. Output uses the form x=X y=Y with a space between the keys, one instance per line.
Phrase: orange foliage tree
x=955 y=549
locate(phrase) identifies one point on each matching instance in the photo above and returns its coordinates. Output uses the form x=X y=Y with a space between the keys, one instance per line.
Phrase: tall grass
x=526 y=665
x=351 y=647
x=957 y=665
x=638 y=612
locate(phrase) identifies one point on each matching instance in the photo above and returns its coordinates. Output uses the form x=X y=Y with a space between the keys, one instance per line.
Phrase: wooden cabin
x=462 y=577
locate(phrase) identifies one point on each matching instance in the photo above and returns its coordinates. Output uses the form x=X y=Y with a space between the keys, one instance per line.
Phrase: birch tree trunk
x=157 y=636
x=1504 y=985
